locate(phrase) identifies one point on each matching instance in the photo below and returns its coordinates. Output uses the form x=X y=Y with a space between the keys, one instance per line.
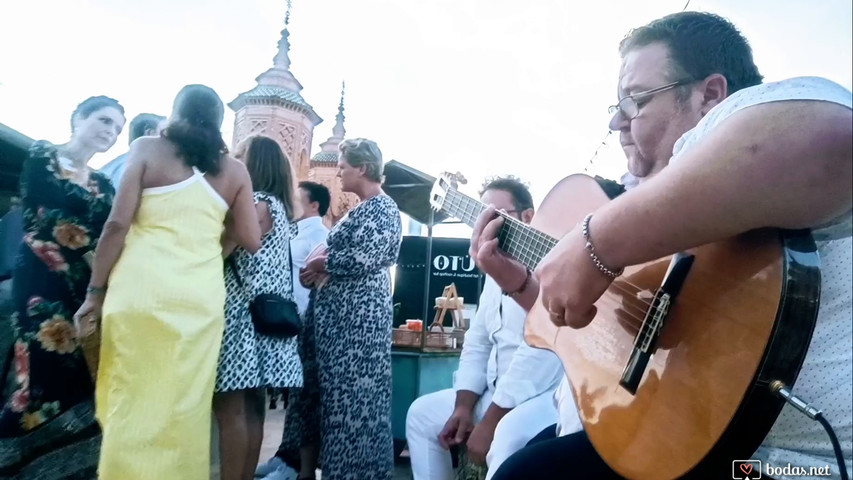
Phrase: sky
x=484 y=87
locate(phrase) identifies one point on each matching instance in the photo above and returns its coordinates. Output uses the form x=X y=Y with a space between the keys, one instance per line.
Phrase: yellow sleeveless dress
x=162 y=328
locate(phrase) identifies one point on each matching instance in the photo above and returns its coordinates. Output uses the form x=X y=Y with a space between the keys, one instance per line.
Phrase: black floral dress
x=47 y=424
x=351 y=317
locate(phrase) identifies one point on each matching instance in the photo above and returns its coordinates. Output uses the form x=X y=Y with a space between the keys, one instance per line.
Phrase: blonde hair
x=363 y=152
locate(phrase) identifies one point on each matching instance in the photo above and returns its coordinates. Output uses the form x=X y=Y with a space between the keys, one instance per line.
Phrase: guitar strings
x=631 y=308
x=535 y=237
x=524 y=240
x=523 y=248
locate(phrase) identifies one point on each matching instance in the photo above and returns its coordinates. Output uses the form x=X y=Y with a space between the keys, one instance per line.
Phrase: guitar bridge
x=646 y=340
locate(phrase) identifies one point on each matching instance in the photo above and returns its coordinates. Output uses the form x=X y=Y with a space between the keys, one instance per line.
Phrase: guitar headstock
x=438 y=195
x=446 y=182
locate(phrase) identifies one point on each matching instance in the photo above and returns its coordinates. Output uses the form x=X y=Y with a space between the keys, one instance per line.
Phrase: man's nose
x=618 y=122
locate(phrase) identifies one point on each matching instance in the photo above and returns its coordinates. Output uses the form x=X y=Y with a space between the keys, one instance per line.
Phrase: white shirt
x=825 y=379
x=311 y=233
x=496 y=357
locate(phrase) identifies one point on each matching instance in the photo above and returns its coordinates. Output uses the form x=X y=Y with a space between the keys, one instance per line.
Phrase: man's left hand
x=479 y=442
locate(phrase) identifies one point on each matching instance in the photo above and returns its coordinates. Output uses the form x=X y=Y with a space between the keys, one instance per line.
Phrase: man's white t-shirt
x=311 y=233
x=826 y=378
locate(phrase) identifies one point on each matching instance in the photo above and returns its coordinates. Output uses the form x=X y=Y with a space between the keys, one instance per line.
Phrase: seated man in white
x=503 y=391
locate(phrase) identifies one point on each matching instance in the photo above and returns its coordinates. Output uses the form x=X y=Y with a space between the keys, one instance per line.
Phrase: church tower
x=275 y=109
x=324 y=169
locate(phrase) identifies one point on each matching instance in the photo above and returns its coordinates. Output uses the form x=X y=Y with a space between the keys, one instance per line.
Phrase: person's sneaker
x=284 y=473
x=269 y=467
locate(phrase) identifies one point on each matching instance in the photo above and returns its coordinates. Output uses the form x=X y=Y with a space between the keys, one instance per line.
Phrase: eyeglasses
x=630 y=105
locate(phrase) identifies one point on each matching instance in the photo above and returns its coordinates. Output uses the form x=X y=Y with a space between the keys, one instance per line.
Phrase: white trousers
x=429 y=413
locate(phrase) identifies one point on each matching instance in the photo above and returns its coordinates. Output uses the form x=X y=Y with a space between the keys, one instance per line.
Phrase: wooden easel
x=451 y=304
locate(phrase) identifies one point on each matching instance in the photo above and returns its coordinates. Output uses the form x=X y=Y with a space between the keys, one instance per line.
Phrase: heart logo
x=746 y=468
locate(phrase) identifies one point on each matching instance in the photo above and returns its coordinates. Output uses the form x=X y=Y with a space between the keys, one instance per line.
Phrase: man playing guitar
x=717 y=153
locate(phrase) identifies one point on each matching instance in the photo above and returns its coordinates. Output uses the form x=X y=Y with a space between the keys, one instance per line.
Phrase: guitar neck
x=518 y=240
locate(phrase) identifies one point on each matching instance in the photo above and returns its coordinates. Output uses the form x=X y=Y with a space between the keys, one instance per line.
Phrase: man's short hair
x=700 y=44
x=521 y=198
x=318 y=193
x=142 y=123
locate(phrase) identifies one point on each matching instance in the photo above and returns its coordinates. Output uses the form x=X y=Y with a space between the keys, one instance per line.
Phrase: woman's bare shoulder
x=234 y=168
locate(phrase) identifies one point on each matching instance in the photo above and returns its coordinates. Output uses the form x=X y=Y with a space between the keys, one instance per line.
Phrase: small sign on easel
x=450 y=301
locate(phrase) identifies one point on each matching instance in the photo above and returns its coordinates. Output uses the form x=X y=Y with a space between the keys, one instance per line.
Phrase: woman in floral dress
x=351 y=314
x=47 y=425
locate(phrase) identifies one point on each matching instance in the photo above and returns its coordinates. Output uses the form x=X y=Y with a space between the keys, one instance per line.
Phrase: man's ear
x=715 y=89
x=527 y=215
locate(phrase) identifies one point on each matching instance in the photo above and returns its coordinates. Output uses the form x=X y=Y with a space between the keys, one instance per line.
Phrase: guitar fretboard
x=520 y=241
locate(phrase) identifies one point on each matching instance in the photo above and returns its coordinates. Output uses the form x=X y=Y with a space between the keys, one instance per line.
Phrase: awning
x=411 y=188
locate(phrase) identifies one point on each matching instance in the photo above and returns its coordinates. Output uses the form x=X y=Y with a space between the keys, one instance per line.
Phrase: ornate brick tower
x=324 y=169
x=274 y=108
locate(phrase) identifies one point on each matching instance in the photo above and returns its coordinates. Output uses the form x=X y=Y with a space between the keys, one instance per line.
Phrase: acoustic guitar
x=672 y=377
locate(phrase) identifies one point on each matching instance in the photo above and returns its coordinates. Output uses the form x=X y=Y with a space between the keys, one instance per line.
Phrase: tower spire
x=338 y=131
x=279 y=75
x=287 y=15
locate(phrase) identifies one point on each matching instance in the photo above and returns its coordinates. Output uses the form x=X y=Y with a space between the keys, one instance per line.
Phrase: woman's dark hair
x=195 y=128
x=92 y=105
x=269 y=169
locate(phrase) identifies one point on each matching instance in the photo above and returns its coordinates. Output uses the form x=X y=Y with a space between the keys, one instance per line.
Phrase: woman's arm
x=369 y=241
x=121 y=216
x=112 y=240
x=244 y=227
x=264 y=217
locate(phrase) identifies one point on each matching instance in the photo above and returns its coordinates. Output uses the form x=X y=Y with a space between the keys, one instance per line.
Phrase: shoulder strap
x=290 y=264
x=232 y=264
x=611 y=188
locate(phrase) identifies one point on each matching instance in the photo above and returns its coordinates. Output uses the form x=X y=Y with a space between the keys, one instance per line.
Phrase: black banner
x=450 y=263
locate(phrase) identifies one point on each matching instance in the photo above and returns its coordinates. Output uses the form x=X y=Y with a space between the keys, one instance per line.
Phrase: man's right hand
x=457 y=429
x=509 y=274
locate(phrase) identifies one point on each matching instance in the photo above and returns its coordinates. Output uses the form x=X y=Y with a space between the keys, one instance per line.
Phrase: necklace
x=70 y=171
x=67 y=164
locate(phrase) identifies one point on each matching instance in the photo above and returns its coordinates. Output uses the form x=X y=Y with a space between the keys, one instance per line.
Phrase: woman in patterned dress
x=47 y=426
x=249 y=362
x=352 y=318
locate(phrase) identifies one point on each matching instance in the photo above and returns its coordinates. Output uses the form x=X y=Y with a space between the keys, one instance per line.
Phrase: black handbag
x=272 y=314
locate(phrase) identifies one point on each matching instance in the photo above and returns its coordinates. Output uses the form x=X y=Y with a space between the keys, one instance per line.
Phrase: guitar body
x=743 y=318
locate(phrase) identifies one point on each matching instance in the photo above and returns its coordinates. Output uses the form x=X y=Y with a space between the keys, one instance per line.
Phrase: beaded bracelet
x=591 y=249
x=92 y=290
x=523 y=286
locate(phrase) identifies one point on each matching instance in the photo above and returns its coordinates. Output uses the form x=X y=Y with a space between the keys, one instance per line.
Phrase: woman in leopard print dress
x=351 y=314
x=249 y=362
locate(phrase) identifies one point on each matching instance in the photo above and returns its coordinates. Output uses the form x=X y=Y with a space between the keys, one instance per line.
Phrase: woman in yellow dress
x=157 y=282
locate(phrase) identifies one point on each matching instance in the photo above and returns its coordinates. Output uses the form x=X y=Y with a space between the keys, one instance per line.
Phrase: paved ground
x=272 y=436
